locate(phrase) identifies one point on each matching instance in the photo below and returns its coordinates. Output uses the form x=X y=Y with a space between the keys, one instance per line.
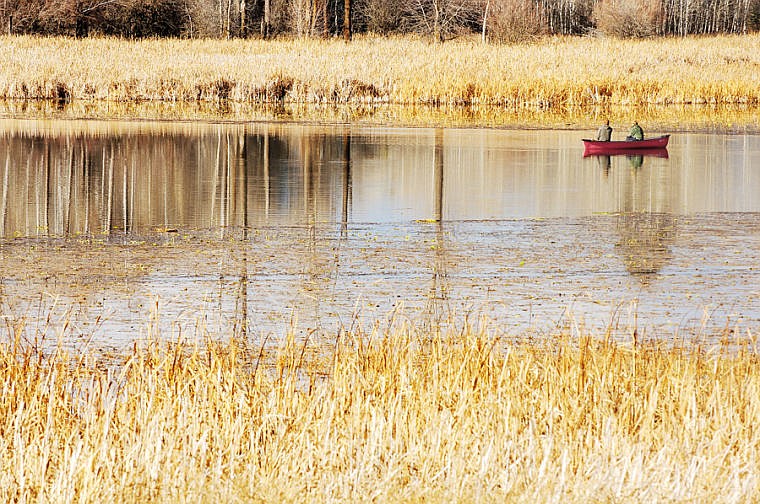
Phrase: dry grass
x=552 y=73
x=400 y=415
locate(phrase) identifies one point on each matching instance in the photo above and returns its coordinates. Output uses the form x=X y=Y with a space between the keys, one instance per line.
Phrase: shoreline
x=739 y=119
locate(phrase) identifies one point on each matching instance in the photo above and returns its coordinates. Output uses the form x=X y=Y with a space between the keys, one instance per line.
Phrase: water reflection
x=85 y=178
x=645 y=240
x=636 y=160
x=605 y=163
x=250 y=223
x=635 y=157
x=439 y=285
x=660 y=152
x=99 y=184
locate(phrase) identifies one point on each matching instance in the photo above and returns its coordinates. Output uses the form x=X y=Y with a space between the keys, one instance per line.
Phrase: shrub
x=379 y=16
x=513 y=21
x=147 y=18
x=628 y=19
x=753 y=21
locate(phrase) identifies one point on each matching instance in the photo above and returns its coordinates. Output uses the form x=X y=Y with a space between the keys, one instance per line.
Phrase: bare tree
x=753 y=16
x=7 y=16
x=242 y=10
x=300 y=12
x=497 y=20
x=346 y=20
x=632 y=18
x=225 y=17
x=443 y=19
x=77 y=15
x=277 y=17
x=380 y=16
x=266 y=20
x=512 y=21
x=566 y=16
x=308 y=17
x=144 y=18
x=673 y=17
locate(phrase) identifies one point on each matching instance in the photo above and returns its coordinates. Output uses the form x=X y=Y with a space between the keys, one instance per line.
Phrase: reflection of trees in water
x=316 y=267
x=240 y=188
x=646 y=225
x=226 y=179
x=4 y=199
x=228 y=195
x=86 y=184
x=322 y=252
x=437 y=300
x=645 y=240
x=101 y=184
x=347 y=183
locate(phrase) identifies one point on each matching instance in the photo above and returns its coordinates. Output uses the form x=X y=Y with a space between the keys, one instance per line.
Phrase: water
x=112 y=231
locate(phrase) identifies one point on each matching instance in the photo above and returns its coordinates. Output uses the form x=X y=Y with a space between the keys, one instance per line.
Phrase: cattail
x=393 y=413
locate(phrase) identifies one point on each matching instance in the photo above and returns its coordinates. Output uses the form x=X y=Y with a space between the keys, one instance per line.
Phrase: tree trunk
x=437 y=31
x=81 y=26
x=221 y=18
x=325 y=23
x=265 y=20
x=228 y=24
x=485 y=20
x=313 y=18
x=242 y=18
x=347 y=20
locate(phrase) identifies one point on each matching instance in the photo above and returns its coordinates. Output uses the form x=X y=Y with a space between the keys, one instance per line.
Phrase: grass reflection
x=727 y=118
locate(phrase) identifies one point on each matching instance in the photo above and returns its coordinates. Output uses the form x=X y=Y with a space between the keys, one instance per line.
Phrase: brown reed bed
x=555 y=72
x=396 y=414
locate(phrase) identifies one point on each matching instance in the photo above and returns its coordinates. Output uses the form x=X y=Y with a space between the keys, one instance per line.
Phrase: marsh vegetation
x=391 y=413
x=552 y=74
x=446 y=405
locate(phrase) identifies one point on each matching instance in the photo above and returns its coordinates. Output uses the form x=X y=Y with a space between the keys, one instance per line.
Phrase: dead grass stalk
x=394 y=415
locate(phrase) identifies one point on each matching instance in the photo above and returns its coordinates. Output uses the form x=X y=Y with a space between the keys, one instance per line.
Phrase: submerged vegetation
x=553 y=73
x=400 y=413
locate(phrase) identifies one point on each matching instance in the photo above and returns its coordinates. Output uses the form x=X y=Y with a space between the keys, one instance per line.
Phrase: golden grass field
x=393 y=415
x=403 y=414
x=554 y=72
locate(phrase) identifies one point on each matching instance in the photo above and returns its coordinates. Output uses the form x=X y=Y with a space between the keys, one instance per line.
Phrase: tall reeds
x=556 y=72
x=392 y=415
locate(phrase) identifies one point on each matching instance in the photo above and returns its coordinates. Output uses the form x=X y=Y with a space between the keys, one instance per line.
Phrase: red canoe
x=613 y=146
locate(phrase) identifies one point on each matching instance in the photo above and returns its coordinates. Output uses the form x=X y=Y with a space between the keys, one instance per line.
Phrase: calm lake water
x=112 y=231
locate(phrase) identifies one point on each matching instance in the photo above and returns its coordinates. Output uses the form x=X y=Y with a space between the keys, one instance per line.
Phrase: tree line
x=494 y=20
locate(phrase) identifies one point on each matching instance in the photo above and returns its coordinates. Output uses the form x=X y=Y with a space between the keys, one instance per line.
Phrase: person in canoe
x=636 y=132
x=605 y=132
